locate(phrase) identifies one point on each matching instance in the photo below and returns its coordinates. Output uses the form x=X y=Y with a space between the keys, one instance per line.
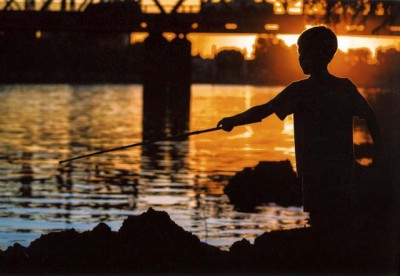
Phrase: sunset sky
x=206 y=44
x=203 y=44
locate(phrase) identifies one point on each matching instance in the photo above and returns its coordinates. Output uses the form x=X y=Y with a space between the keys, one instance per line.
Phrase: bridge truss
x=236 y=16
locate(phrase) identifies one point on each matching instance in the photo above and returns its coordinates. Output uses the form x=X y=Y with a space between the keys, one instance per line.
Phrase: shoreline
x=153 y=243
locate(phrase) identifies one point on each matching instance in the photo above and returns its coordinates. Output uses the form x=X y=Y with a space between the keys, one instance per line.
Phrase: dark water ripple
x=42 y=124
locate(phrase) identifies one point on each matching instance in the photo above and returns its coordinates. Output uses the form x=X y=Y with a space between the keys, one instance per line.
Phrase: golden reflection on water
x=42 y=124
x=245 y=146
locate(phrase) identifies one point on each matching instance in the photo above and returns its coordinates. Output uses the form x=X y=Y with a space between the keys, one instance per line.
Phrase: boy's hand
x=226 y=124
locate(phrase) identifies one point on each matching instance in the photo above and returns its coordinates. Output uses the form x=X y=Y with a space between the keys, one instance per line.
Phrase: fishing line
x=202 y=212
x=167 y=138
x=68 y=162
x=204 y=218
x=60 y=170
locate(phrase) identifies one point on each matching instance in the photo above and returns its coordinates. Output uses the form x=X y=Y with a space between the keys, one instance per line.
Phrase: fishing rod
x=167 y=138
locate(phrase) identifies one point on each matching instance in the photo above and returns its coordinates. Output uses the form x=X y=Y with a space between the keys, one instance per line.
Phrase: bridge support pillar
x=166 y=77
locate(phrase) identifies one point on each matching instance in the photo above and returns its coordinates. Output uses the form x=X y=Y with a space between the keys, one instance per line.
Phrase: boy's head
x=317 y=46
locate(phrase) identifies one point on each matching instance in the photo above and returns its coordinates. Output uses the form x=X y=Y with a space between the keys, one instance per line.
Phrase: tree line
x=274 y=63
x=77 y=58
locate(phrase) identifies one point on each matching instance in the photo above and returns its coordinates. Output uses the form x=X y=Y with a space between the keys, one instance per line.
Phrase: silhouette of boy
x=324 y=107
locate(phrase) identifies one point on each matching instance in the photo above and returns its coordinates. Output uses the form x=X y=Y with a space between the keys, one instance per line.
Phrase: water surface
x=42 y=124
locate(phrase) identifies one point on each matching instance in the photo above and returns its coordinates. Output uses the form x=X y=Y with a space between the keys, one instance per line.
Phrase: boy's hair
x=321 y=41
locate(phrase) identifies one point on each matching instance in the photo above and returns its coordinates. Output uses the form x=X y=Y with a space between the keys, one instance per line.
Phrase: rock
x=268 y=182
x=70 y=251
x=150 y=242
x=305 y=250
x=158 y=244
x=240 y=246
x=153 y=243
x=15 y=259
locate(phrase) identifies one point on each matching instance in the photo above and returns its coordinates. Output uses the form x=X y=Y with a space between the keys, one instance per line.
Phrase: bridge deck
x=176 y=23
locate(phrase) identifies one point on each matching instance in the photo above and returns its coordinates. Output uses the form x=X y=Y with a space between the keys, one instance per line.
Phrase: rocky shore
x=268 y=181
x=153 y=243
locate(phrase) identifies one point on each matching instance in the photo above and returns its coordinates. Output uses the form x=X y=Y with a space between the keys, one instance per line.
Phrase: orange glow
x=271 y=27
x=365 y=161
x=278 y=8
x=202 y=44
x=208 y=44
x=295 y=7
x=231 y=26
x=270 y=140
x=353 y=42
x=195 y=26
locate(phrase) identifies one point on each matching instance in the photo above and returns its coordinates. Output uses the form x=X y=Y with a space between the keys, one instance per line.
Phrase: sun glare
x=207 y=45
x=354 y=42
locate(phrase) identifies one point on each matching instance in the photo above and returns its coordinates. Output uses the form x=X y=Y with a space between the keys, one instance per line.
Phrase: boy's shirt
x=323 y=123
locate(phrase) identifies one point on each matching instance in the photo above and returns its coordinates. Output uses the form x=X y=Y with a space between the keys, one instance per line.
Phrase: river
x=42 y=124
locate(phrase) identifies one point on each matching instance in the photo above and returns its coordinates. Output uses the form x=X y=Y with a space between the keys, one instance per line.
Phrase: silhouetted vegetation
x=81 y=58
x=275 y=63
x=230 y=66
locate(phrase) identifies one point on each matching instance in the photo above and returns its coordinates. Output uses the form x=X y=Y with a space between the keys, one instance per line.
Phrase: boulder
x=268 y=182
x=153 y=243
x=150 y=242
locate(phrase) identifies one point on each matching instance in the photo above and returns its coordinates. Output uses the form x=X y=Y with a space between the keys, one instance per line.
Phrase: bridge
x=225 y=16
x=166 y=67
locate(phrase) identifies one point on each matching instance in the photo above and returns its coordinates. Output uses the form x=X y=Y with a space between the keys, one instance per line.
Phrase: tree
x=230 y=66
x=274 y=62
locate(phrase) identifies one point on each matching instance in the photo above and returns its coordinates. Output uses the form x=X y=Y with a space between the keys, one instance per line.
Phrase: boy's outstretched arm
x=252 y=115
x=283 y=104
